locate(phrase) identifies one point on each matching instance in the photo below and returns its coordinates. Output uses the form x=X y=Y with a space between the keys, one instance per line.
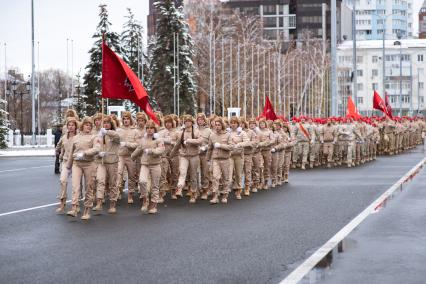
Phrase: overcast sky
x=57 y=20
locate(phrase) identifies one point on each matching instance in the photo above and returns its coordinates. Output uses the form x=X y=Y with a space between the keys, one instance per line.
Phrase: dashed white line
x=21 y=169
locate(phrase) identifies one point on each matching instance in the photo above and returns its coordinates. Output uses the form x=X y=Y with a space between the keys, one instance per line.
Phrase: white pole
x=223 y=78
x=5 y=73
x=258 y=80
x=238 y=74
x=230 y=74
x=72 y=71
x=269 y=75
x=38 y=93
x=32 y=76
x=141 y=52
x=245 y=79
x=264 y=78
x=333 y=58
x=67 y=69
x=178 y=77
x=252 y=81
x=214 y=73
x=174 y=73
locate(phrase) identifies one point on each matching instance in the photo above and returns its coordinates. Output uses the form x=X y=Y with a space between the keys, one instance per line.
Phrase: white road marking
x=37 y=207
x=303 y=269
x=21 y=169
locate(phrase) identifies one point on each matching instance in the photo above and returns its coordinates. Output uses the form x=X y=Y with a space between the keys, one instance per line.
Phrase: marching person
x=169 y=165
x=189 y=160
x=239 y=140
x=149 y=150
x=289 y=142
x=64 y=147
x=219 y=154
x=305 y=138
x=128 y=143
x=248 y=157
x=257 y=157
x=205 y=132
x=265 y=138
x=81 y=159
x=328 y=137
x=106 y=174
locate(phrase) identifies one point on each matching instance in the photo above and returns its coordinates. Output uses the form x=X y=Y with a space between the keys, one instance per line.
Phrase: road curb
x=330 y=246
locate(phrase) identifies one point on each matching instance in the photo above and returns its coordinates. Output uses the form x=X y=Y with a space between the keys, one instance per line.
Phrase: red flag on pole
x=268 y=111
x=379 y=104
x=352 y=110
x=388 y=105
x=120 y=82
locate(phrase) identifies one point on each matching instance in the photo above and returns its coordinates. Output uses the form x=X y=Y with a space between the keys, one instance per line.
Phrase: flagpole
x=178 y=78
x=252 y=81
x=174 y=73
x=214 y=73
x=258 y=80
x=223 y=78
x=238 y=74
x=230 y=74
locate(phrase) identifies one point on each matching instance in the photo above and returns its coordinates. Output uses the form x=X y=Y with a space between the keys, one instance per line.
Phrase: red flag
x=268 y=111
x=352 y=110
x=379 y=104
x=388 y=105
x=120 y=82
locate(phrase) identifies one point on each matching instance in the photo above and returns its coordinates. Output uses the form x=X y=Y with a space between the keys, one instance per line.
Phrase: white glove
x=123 y=144
x=228 y=129
x=182 y=127
x=257 y=129
x=217 y=145
x=156 y=135
x=239 y=130
x=102 y=154
x=147 y=151
x=184 y=142
x=103 y=131
x=203 y=148
x=78 y=156
x=273 y=150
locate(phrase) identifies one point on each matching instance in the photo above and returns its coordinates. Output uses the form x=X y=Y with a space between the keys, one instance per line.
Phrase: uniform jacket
x=156 y=148
x=129 y=135
x=224 y=152
x=193 y=141
x=109 y=144
x=83 y=143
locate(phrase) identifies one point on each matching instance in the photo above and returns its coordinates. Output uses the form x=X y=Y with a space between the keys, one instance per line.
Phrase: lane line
x=21 y=169
x=303 y=269
x=37 y=207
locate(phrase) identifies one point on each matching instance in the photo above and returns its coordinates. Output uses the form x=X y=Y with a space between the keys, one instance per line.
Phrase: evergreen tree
x=3 y=131
x=132 y=50
x=93 y=77
x=171 y=21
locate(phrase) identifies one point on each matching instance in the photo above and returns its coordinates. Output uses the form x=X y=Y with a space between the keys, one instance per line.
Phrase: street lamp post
x=399 y=42
x=28 y=88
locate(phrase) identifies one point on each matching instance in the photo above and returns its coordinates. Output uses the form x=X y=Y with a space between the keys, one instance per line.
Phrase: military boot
x=179 y=192
x=303 y=166
x=193 y=197
x=204 y=194
x=86 y=214
x=112 y=209
x=238 y=194
x=145 y=204
x=215 y=199
x=152 y=208
x=224 y=198
x=129 y=198
x=161 y=197
x=73 y=212
x=61 y=208
x=254 y=189
x=98 y=205
x=247 y=190
x=286 y=178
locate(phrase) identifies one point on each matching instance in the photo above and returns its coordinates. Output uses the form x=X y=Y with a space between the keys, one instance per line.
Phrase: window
x=359 y=73
x=374 y=72
x=405 y=99
x=421 y=85
x=375 y=86
x=269 y=9
x=420 y=57
x=375 y=59
x=421 y=99
x=360 y=87
x=393 y=99
x=359 y=59
x=360 y=100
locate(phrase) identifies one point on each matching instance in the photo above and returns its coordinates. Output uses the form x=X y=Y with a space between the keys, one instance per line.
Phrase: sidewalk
x=389 y=246
x=28 y=151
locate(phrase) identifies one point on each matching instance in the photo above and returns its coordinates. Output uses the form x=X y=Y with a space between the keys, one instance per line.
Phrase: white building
x=370 y=74
x=393 y=17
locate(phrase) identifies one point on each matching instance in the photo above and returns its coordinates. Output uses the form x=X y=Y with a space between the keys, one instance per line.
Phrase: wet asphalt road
x=257 y=240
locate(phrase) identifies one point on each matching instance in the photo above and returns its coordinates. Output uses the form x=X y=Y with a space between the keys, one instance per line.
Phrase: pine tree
x=93 y=77
x=171 y=21
x=132 y=50
x=3 y=131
